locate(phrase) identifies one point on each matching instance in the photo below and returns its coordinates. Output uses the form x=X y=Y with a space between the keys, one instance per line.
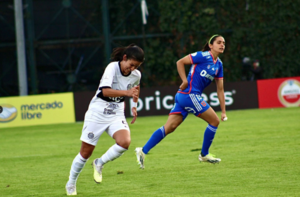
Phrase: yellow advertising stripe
x=37 y=110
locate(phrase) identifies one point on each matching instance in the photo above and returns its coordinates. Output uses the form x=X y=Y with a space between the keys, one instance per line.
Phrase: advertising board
x=37 y=110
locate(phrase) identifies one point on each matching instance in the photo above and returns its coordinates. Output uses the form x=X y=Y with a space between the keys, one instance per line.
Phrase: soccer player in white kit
x=106 y=112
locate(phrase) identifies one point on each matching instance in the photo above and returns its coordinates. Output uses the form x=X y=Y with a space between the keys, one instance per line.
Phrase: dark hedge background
x=266 y=30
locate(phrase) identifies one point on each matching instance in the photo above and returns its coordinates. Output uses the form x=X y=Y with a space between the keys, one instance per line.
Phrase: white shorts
x=92 y=131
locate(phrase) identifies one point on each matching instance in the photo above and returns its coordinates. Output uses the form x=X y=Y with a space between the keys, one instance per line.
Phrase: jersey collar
x=215 y=61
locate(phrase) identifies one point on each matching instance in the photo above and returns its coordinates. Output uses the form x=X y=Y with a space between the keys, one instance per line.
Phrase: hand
x=134 y=113
x=184 y=85
x=133 y=92
x=223 y=115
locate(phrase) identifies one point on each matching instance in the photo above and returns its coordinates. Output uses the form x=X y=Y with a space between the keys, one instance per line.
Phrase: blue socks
x=209 y=135
x=160 y=134
x=156 y=137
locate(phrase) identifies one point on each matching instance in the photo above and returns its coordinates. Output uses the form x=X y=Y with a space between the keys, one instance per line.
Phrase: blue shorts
x=189 y=103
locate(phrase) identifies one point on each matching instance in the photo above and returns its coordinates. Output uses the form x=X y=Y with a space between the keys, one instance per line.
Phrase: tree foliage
x=266 y=30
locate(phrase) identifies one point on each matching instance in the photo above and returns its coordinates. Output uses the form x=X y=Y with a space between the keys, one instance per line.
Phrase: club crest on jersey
x=91 y=135
x=216 y=71
x=208 y=66
x=129 y=86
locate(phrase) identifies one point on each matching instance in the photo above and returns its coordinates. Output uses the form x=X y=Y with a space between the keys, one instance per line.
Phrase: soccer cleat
x=71 y=190
x=209 y=158
x=140 y=156
x=97 y=172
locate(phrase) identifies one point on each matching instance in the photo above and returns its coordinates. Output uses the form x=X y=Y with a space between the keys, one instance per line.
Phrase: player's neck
x=214 y=54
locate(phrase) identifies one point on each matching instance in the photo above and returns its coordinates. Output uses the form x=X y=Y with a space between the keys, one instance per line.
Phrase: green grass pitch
x=259 y=148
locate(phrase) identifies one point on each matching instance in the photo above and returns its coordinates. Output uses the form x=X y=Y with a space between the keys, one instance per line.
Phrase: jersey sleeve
x=219 y=75
x=138 y=81
x=198 y=57
x=108 y=76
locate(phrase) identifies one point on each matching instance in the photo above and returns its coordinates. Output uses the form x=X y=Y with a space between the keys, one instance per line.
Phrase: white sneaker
x=209 y=158
x=71 y=190
x=140 y=156
x=97 y=172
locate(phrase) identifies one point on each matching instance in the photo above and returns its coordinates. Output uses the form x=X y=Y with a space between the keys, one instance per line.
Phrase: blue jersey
x=202 y=72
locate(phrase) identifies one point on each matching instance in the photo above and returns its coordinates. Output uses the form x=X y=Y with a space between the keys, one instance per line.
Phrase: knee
x=215 y=122
x=85 y=154
x=124 y=143
x=86 y=150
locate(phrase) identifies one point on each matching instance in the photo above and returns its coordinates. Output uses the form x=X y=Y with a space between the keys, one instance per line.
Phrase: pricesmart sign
x=160 y=100
x=37 y=110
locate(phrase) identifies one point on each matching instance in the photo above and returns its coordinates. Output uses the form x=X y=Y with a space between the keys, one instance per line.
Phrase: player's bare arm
x=181 y=70
x=133 y=109
x=133 y=92
x=220 y=93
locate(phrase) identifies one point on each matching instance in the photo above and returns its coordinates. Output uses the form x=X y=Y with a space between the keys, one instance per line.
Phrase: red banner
x=280 y=92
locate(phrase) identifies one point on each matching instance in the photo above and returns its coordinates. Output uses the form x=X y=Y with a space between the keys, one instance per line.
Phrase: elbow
x=104 y=93
x=179 y=64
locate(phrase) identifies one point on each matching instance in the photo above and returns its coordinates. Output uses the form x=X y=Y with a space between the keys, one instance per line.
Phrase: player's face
x=129 y=65
x=218 y=45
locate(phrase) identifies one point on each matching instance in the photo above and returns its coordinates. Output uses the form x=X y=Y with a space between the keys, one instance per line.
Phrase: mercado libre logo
x=35 y=111
x=289 y=93
x=9 y=113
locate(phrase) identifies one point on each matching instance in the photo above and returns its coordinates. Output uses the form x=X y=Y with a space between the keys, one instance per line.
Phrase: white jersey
x=106 y=108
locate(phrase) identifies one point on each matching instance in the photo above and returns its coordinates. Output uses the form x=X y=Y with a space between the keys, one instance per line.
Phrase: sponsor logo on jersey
x=112 y=106
x=116 y=99
x=289 y=93
x=203 y=73
x=205 y=54
x=9 y=113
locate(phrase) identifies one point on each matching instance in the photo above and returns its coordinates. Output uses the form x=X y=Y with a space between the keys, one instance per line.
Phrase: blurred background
x=67 y=43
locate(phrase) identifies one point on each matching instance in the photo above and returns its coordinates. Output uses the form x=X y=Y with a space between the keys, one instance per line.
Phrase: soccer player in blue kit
x=206 y=66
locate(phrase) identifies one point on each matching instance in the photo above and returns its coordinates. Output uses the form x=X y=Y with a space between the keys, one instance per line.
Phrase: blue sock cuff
x=163 y=131
x=212 y=128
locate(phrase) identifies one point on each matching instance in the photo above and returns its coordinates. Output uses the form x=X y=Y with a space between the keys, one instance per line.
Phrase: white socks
x=76 y=168
x=112 y=153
